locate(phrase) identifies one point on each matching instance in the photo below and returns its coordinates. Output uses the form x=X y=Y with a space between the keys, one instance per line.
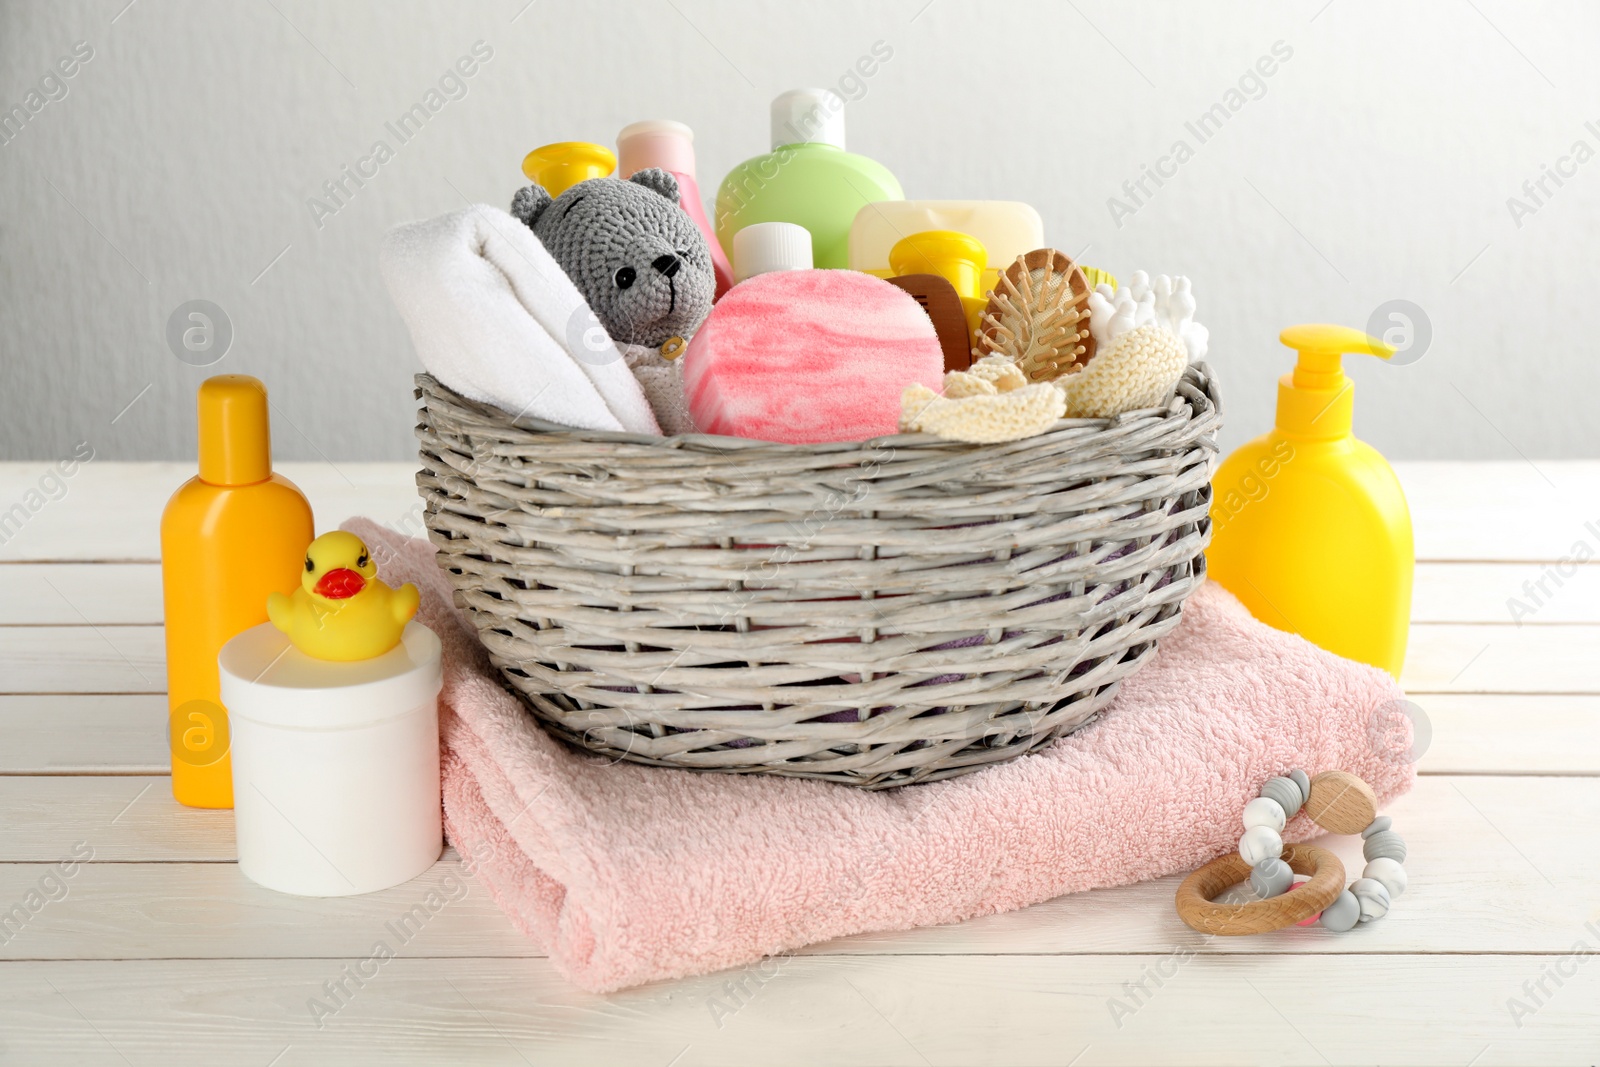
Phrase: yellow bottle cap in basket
x=560 y=166
x=958 y=258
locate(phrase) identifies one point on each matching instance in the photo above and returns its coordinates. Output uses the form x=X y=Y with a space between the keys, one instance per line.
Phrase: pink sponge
x=806 y=356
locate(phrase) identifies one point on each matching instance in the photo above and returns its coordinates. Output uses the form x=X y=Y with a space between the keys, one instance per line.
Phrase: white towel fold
x=494 y=317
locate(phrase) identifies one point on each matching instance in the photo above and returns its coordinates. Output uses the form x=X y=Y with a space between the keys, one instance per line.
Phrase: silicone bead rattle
x=1340 y=803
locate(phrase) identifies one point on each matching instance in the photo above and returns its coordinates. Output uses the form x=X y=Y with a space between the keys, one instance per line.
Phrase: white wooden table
x=158 y=951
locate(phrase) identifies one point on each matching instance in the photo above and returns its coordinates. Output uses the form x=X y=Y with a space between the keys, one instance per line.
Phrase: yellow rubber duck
x=341 y=610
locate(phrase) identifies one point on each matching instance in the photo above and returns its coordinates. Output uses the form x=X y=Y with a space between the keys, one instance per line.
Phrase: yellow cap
x=1098 y=277
x=1317 y=401
x=958 y=258
x=558 y=167
x=235 y=435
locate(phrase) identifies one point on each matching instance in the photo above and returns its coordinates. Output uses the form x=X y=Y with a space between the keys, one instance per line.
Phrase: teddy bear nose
x=667 y=264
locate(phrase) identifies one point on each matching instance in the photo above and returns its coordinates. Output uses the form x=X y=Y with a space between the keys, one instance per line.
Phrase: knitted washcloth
x=662 y=382
x=991 y=402
x=1139 y=370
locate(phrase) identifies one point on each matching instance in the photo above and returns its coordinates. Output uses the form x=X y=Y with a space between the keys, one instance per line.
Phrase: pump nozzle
x=1317 y=401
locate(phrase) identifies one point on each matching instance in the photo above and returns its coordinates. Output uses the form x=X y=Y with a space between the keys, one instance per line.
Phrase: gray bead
x=1303 y=780
x=1372 y=895
x=1385 y=843
x=1343 y=913
x=1271 y=878
x=1380 y=824
x=1286 y=793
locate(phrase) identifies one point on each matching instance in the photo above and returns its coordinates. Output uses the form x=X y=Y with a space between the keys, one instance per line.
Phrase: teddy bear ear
x=529 y=204
x=659 y=181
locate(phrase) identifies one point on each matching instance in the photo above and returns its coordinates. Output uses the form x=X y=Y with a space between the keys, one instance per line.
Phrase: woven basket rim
x=1175 y=407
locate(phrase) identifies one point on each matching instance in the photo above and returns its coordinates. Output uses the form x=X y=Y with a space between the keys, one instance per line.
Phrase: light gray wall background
x=1374 y=165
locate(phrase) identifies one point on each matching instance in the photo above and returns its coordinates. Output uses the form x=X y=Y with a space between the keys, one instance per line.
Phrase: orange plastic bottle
x=229 y=537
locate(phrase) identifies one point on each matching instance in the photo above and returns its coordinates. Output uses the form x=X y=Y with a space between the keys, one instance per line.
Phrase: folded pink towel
x=625 y=873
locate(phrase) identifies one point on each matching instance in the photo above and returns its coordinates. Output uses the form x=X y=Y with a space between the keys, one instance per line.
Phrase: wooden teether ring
x=1198 y=909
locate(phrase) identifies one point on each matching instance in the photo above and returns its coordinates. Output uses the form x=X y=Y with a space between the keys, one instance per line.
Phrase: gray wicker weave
x=875 y=613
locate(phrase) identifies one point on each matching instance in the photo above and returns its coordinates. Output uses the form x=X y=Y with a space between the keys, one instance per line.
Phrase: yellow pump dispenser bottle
x=1310 y=527
x=229 y=537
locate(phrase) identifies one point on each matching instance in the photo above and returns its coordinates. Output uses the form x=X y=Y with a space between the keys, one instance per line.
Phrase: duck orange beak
x=340 y=583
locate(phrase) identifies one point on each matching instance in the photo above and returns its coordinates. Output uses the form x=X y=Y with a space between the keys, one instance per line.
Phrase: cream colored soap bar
x=1007 y=228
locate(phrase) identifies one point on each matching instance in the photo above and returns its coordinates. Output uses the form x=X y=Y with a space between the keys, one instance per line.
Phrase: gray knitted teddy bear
x=639 y=261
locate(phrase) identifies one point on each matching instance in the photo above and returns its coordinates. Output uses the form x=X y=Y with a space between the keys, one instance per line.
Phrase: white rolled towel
x=494 y=317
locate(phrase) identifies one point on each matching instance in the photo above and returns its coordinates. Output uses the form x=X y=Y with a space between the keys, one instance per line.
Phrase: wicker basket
x=875 y=613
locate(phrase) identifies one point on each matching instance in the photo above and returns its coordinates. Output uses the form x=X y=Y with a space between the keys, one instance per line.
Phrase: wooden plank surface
x=128 y=904
x=1461 y=658
x=158 y=950
x=1479 y=733
x=78 y=526
x=65 y=733
x=124 y=819
x=80 y=593
x=971 y=1010
x=1512 y=510
x=82 y=659
x=1530 y=594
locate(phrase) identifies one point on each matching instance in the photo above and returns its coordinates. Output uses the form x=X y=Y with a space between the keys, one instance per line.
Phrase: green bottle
x=807 y=179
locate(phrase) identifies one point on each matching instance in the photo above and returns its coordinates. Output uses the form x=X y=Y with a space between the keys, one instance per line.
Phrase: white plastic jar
x=335 y=765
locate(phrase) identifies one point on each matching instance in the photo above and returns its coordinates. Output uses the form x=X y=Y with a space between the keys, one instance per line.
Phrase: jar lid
x=265 y=679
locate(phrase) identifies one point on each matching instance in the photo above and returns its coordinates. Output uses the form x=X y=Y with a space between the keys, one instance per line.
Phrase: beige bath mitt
x=1139 y=369
x=993 y=401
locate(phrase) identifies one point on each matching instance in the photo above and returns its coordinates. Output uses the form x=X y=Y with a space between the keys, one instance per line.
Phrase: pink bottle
x=670 y=145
